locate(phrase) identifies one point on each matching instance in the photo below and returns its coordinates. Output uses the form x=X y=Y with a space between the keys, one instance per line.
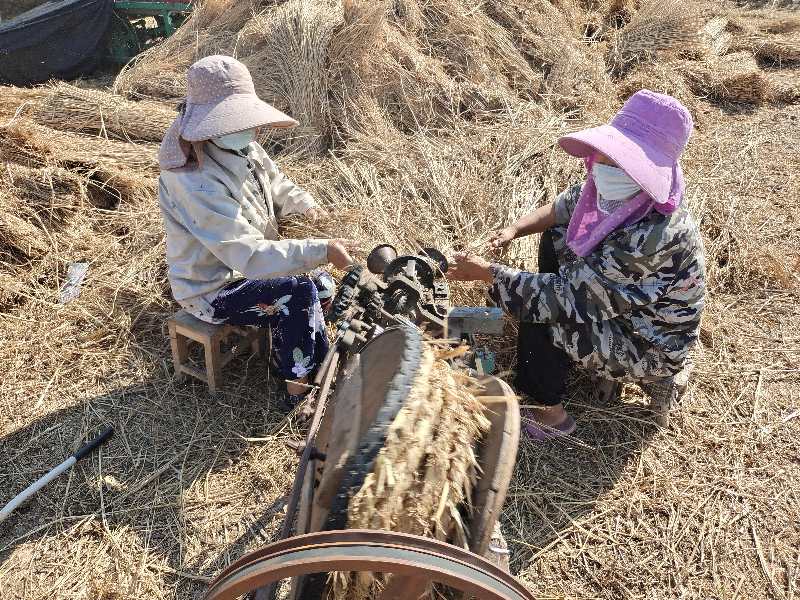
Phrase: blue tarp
x=62 y=38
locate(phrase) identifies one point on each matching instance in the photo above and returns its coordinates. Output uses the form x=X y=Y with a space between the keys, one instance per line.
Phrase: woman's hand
x=469 y=268
x=502 y=237
x=339 y=253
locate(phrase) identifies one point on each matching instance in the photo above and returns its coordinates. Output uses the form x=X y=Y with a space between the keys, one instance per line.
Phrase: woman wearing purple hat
x=621 y=281
x=221 y=197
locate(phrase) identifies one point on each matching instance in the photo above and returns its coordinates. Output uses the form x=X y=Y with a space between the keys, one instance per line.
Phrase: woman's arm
x=538 y=221
x=599 y=287
x=288 y=198
x=557 y=212
x=214 y=219
x=541 y=219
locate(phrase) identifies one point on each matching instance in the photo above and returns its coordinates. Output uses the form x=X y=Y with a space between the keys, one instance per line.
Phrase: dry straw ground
x=423 y=122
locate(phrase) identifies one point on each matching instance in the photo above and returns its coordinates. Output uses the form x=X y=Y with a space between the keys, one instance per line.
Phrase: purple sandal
x=542 y=433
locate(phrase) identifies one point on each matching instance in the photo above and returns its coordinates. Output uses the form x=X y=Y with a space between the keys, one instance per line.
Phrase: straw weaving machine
x=138 y=25
x=383 y=318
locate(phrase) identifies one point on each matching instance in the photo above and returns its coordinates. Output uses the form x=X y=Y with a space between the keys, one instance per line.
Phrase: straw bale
x=30 y=142
x=666 y=78
x=70 y=108
x=783 y=87
x=776 y=49
x=574 y=75
x=618 y=510
x=376 y=67
x=733 y=77
x=716 y=36
x=772 y=40
x=290 y=66
x=115 y=170
x=19 y=238
x=354 y=71
x=413 y=88
x=661 y=28
x=476 y=48
x=54 y=193
x=18 y=101
x=782 y=23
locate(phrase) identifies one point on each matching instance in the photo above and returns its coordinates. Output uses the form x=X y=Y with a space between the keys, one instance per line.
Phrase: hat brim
x=648 y=167
x=233 y=113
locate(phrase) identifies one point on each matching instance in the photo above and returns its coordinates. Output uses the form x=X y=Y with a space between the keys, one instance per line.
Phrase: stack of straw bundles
x=71 y=108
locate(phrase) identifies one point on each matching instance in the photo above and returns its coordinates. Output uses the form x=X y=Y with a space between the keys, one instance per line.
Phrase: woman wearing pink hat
x=621 y=281
x=221 y=197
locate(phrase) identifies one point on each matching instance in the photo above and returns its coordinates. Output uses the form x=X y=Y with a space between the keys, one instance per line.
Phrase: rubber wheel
x=394 y=393
x=389 y=363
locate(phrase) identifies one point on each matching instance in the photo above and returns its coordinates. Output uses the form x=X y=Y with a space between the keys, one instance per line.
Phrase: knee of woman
x=306 y=290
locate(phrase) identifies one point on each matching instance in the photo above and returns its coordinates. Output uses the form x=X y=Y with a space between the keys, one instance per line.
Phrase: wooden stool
x=184 y=327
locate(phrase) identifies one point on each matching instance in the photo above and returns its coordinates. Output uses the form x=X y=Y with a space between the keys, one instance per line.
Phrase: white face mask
x=236 y=141
x=613 y=183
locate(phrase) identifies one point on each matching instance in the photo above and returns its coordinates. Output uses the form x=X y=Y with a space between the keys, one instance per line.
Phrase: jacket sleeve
x=213 y=217
x=565 y=203
x=606 y=284
x=287 y=197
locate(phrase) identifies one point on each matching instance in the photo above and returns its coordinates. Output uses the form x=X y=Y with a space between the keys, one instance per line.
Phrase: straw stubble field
x=440 y=116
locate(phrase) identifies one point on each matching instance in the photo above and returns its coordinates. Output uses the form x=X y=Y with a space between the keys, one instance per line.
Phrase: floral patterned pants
x=290 y=307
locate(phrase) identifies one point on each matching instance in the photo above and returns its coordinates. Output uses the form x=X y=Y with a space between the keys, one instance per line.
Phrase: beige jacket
x=220 y=228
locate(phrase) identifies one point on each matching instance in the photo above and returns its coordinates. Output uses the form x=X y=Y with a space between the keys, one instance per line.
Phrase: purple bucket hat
x=646 y=138
x=220 y=99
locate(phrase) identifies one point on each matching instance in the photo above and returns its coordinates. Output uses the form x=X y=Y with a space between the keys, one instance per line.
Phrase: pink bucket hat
x=220 y=99
x=646 y=138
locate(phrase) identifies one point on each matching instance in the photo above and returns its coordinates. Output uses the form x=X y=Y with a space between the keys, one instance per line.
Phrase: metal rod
x=331 y=362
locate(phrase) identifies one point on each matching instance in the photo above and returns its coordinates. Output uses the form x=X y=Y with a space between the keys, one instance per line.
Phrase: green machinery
x=139 y=25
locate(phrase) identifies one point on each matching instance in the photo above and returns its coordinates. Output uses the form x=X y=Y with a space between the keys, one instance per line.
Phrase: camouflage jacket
x=630 y=309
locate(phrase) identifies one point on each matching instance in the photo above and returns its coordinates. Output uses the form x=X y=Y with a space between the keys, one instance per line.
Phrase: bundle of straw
x=69 y=108
x=289 y=65
x=52 y=193
x=773 y=40
x=119 y=169
x=424 y=475
x=549 y=37
x=659 y=29
x=19 y=238
x=37 y=201
x=663 y=78
x=783 y=88
x=733 y=77
x=776 y=48
x=716 y=36
x=19 y=101
x=26 y=141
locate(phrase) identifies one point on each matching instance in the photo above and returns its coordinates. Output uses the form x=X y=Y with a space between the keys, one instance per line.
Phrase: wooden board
x=497 y=456
x=338 y=436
